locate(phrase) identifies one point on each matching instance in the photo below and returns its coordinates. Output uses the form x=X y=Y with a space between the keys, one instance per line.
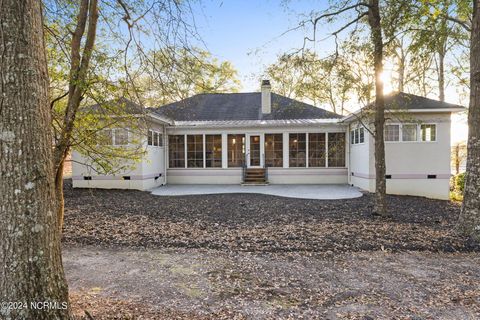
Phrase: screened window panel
x=274 y=150
x=392 y=132
x=213 y=151
x=298 y=150
x=316 y=150
x=176 y=151
x=336 y=149
x=236 y=150
x=428 y=132
x=409 y=132
x=195 y=151
x=155 y=139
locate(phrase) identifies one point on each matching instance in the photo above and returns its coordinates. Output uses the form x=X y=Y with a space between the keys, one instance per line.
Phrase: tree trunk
x=30 y=256
x=469 y=222
x=380 y=183
x=59 y=195
x=79 y=66
x=401 y=74
x=441 y=75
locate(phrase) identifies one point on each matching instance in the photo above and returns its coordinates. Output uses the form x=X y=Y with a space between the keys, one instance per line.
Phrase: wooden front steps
x=255 y=177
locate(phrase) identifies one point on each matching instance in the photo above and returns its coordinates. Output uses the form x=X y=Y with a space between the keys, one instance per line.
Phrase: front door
x=254 y=151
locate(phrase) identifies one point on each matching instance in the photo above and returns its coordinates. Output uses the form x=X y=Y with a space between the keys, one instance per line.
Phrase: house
x=263 y=137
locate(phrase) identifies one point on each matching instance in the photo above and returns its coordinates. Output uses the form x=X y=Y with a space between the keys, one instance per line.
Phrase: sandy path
x=267 y=286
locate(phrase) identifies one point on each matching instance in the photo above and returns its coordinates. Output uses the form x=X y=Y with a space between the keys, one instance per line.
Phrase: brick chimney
x=266 y=97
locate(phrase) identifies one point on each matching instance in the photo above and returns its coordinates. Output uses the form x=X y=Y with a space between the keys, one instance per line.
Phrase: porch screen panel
x=316 y=150
x=213 y=151
x=195 y=151
x=274 y=150
x=298 y=149
x=236 y=150
x=176 y=151
x=336 y=149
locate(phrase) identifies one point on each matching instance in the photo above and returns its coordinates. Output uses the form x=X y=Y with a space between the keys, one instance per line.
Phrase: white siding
x=146 y=174
x=408 y=163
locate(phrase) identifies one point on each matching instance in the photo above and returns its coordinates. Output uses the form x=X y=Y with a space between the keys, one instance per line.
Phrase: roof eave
x=353 y=115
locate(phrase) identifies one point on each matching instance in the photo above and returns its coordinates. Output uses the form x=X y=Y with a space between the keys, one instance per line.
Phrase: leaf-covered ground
x=259 y=223
x=132 y=255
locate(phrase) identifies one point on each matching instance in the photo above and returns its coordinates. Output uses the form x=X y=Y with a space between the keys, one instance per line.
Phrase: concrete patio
x=319 y=192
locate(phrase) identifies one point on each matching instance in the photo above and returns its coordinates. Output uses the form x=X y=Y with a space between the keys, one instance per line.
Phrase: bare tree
x=371 y=10
x=30 y=257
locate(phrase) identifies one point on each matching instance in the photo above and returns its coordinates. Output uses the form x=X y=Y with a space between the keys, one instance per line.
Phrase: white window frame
x=399 y=132
x=160 y=141
x=409 y=124
x=114 y=137
x=420 y=138
x=356 y=133
x=419 y=132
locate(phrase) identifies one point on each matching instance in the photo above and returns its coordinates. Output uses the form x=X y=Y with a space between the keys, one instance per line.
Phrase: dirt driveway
x=200 y=283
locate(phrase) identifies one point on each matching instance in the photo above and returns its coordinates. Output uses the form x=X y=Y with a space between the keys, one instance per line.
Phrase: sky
x=248 y=33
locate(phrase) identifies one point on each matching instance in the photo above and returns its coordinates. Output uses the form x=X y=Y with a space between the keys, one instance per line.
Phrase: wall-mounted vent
x=87 y=178
x=388 y=176
x=126 y=177
x=432 y=176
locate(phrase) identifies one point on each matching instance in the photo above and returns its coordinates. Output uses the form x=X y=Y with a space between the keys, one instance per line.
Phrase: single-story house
x=262 y=137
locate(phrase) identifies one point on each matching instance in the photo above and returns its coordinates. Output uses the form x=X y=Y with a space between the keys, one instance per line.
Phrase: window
x=105 y=137
x=274 y=150
x=357 y=135
x=361 y=132
x=428 y=132
x=195 y=151
x=121 y=136
x=336 y=149
x=298 y=149
x=176 y=151
x=409 y=132
x=392 y=132
x=236 y=150
x=316 y=149
x=213 y=151
x=155 y=138
x=150 y=137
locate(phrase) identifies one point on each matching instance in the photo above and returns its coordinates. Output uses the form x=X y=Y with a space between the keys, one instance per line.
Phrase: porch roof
x=254 y=123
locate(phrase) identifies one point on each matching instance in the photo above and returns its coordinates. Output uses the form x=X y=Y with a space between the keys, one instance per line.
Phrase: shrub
x=459 y=182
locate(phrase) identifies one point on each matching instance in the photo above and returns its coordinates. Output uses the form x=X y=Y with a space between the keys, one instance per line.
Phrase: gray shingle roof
x=404 y=101
x=240 y=106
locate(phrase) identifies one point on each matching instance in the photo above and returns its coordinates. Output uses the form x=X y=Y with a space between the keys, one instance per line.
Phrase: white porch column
x=224 y=151
x=285 y=150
